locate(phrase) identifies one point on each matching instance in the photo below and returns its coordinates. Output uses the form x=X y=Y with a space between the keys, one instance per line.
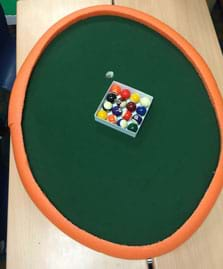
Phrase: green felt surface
x=125 y=190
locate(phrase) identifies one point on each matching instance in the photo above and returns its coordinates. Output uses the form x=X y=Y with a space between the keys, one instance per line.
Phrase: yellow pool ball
x=135 y=97
x=102 y=114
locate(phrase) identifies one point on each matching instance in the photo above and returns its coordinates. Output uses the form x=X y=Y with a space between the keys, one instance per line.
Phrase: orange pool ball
x=111 y=118
x=116 y=89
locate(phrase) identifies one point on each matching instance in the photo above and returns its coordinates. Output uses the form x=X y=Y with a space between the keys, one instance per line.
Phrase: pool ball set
x=123 y=108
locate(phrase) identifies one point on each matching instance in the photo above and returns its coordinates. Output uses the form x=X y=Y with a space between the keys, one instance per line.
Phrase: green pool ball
x=133 y=127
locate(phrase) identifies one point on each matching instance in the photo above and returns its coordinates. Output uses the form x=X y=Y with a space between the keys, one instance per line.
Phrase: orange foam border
x=38 y=197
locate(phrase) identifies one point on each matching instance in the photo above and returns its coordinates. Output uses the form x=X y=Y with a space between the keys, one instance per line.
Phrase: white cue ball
x=123 y=123
x=109 y=74
x=107 y=105
x=145 y=101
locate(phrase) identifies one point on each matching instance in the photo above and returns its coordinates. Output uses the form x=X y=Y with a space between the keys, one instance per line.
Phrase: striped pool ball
x=117 y=111
x=127 y=116
x=122 y=123
x=120 y=102
x=131 y=106
x=137 y=119
x=125 y=94
x=141 y=110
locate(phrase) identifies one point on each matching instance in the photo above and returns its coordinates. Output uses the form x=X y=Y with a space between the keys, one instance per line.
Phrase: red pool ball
x=125 y=94
x=127 y=116
x=131 y=106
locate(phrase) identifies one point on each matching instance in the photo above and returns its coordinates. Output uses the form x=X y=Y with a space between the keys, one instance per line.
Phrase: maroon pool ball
x=131 y=106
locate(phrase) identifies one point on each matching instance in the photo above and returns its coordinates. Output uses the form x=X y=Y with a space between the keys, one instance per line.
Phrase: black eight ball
x=111 y=97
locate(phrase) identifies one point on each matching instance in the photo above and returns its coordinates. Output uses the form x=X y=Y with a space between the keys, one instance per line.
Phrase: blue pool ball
x=141 y=110
x=137 y=119
x=117 y=111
